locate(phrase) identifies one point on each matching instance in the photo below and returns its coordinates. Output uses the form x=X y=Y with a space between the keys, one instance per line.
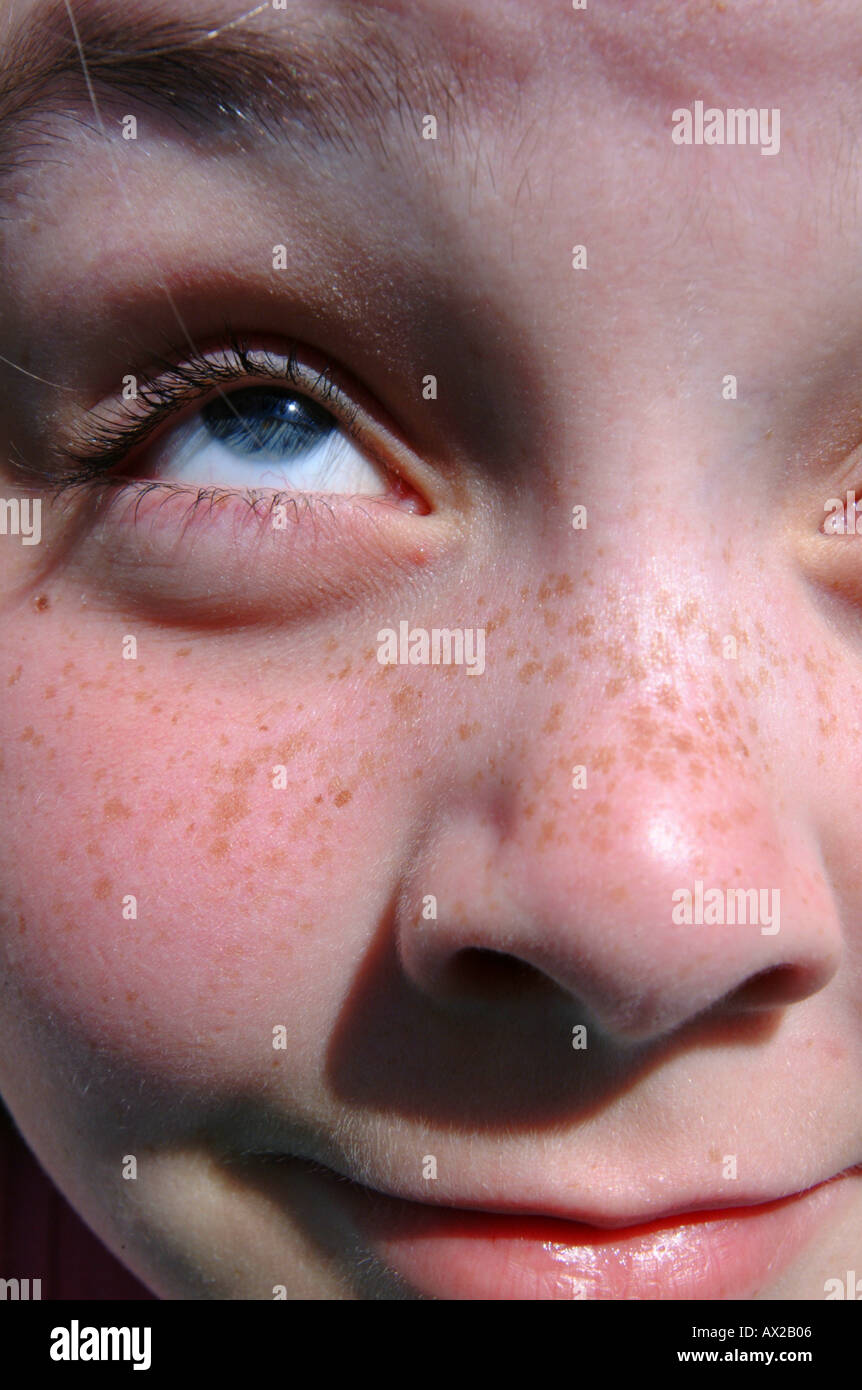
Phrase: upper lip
x=600 y=1217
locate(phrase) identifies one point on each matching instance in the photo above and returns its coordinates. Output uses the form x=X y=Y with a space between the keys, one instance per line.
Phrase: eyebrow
x=305 y=81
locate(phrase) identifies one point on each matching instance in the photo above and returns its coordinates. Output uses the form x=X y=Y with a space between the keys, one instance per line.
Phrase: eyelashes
x=106 y=439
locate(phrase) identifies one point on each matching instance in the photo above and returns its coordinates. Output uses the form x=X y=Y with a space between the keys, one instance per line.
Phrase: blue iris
x=261 y=420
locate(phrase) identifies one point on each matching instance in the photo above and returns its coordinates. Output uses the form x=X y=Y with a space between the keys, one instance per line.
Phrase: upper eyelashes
x=307 y=406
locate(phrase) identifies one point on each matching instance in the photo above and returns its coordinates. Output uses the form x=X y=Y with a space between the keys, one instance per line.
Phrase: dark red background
x=41 y=1237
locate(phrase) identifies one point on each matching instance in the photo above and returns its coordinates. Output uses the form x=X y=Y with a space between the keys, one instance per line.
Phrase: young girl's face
x=346 y=957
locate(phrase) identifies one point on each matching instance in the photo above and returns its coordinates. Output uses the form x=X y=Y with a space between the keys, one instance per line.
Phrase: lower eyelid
x=203 y=557
x=264 y=505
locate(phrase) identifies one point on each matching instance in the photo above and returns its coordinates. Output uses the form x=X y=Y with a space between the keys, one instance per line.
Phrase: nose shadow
x=395 y=1050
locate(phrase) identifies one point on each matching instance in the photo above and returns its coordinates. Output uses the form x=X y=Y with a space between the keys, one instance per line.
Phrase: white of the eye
x=190 y=454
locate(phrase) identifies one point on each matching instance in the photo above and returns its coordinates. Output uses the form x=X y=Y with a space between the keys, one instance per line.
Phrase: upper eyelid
x=97 y=442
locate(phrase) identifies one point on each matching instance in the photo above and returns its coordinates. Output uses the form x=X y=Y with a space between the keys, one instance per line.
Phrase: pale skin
x=301 y=906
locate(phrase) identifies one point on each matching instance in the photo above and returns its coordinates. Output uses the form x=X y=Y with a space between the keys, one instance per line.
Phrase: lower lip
x=452 y=1254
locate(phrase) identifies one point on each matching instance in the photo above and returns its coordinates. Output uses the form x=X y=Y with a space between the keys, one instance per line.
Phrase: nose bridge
x=638 y=667
x=639 y=783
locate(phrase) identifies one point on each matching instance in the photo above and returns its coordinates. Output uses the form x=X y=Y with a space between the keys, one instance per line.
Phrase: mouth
x=460 y=1253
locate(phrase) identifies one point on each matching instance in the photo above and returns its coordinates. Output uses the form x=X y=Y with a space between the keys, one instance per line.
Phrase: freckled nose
x=620 y=894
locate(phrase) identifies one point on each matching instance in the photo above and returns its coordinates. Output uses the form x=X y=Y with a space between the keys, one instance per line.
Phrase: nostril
x=483 y=973
x=770 y=988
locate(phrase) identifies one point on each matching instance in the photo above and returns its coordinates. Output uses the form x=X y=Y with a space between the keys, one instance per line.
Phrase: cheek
x=195 y=854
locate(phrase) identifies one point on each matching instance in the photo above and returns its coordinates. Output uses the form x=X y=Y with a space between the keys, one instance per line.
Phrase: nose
x=669 y=886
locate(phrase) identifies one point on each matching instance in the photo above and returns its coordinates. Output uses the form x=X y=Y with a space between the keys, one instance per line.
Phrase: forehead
x=735 y=50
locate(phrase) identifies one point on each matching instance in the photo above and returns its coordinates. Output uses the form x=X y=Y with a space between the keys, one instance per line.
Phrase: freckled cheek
x=178 y=906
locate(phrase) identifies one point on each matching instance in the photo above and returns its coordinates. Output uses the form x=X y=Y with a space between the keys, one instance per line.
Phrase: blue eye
x=259 y=420
x=266 y=437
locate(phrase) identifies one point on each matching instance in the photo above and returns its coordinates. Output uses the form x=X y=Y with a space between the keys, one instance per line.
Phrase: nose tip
x=601 y=926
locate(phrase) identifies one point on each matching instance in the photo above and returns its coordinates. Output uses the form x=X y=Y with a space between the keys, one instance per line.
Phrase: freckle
x=556 y=668
x=248 y=768
x=291 y=746
x=585 y=626
x=219 y=848
x=554 y=721
x=40 y=602
x=406 y=699
x=342 y=798
x=547 y=833
x=115 y=810
x=102 y=888
x=528 y=671
x=27 y=734
x=15 y=676
x=229 y=808
x=682 y=743
x=275 y=858
x=183 y=651
x=305 y=926
x=492 y=624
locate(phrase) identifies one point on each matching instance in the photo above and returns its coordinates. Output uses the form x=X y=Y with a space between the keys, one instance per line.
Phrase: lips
x=459 y=1254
